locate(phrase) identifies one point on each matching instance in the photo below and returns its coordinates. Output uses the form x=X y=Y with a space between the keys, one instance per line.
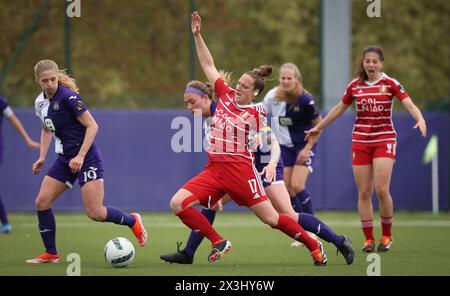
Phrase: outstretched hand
x=313 y=134
x=196 y=23
x=422 y=127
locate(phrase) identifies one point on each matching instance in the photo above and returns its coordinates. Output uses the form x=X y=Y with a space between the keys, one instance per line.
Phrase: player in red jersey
x=373 y=139
x=230 y=168
x=199 y=100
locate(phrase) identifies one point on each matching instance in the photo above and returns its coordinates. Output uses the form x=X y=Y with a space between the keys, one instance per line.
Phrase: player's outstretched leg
x=315 y=225
x=186 y=256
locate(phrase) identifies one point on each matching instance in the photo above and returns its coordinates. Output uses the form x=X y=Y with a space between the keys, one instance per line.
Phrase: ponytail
x=260 y=75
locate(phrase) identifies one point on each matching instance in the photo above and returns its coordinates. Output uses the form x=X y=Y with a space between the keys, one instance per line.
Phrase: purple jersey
x=290 y=121
x=59 y=116
x=302 y=112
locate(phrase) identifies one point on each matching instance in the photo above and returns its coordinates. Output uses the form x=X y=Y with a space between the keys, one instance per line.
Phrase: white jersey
x=41 y=106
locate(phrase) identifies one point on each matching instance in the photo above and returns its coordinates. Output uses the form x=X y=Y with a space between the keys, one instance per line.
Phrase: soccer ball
x=119 y=252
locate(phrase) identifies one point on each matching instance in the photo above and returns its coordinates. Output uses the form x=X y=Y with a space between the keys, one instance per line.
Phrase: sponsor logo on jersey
x=80 y=105
x=285 y=121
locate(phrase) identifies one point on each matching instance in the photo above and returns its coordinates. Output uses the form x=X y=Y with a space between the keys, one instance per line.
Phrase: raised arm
x=204 y=55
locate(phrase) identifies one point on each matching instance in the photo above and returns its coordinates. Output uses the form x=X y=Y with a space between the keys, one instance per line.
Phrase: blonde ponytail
x=67 y=81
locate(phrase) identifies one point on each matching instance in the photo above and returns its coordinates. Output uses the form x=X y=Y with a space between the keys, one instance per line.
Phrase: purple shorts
x=278 y=174
x=92 y=169
x=290 y=154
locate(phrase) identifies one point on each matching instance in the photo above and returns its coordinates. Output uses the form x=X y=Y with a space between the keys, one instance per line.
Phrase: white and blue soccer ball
x=119 y=252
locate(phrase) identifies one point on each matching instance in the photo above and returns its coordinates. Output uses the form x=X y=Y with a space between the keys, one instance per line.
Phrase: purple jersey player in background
x=292 y=111
x=63 y=115
x=6 y=111
x=198 y=100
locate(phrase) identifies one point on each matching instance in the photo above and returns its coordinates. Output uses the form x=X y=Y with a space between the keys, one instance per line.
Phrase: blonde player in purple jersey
x=64 y=116
x=292 y=111
x=6 y=111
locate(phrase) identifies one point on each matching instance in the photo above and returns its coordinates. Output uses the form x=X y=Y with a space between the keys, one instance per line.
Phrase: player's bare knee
x=296 y=188
x=95 y=214
x=272 y=220
x=42 y=203
x=365 y=195
x=175 y=205
x=382 y=193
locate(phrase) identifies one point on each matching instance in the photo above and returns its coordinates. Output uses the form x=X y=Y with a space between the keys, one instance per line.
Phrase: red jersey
x=233 y=126
x=374 y=103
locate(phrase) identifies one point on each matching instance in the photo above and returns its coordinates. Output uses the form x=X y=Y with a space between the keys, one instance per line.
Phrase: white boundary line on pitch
x=242 y=223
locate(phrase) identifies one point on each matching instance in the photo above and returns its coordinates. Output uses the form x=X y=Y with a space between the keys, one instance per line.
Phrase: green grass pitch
x=421 y=247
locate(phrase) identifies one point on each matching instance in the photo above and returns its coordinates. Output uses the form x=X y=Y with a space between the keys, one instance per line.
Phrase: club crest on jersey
x=296 y=108
x=56 y=106
x=383 y=89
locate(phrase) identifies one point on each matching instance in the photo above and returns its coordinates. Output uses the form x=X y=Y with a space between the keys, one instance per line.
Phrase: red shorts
x=363 y=154
x=240 y=180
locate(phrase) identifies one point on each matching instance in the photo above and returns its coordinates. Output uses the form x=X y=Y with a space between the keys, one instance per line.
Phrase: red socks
x=386 y=225
x=367 y=228
x=292 y=229
x=198 y=223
